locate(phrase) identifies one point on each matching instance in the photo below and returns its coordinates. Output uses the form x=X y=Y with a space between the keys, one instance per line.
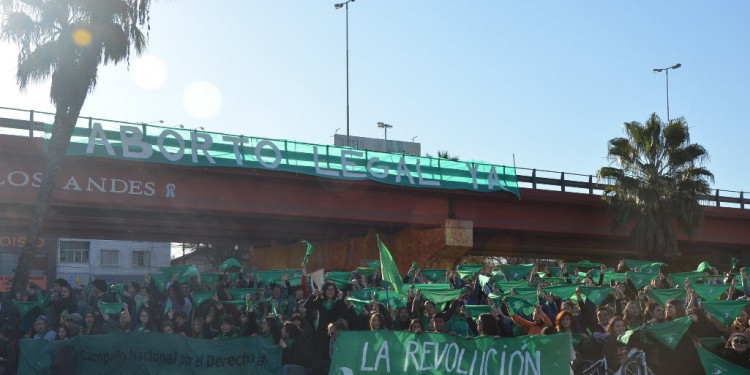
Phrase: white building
x=81 y=260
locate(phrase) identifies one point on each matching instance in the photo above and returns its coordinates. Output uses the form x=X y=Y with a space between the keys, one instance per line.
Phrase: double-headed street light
x=339 y=6
x=666 y=70
x=385 y=129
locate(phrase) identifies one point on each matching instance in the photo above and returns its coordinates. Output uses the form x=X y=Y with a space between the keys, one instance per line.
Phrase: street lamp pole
x=339 y=6
x=666 y=71
x=385 y=128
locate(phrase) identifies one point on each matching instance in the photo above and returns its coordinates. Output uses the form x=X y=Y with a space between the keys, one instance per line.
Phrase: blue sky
x=547 y=81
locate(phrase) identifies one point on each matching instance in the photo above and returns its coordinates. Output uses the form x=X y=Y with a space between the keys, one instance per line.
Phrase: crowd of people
x=304 y=318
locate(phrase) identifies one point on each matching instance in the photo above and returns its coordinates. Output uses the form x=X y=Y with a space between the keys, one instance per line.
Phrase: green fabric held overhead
x=715 y=365
x=233 y=277
x=644 y=265
x=436 y=286
x=582 y=264
x=618 y=277
x=118 y=289
x=358 y=303
x=724 y=311
x=161 y=280
x=709 y=292
x=365 y=271
x=466 y=274
x=563 y=291
x=641 y=279
x=339 y=275
x=442 y=297
x=308 y=252
x=139 y=300
x=625 y=337
x=678 y=279
x=669 y=333
x=496 y=298
x=295 y=280
x=434 y=275
x=390 y=298
x=113 y=308
x=210 y=278
x=515 y=272
x=389 y=269
x=483 y=280
x=363 y=294
x=712 y=343
x=239 y=293
x=476 y=310
x=523 y=303
x=181 y=271
x=555 y=280
x=470 y=267
x=507 y=286
x=229 y=263
x=703 y=267
x=270 y=276
x=596 y=294
x=25 y=306
x=199 y=298
x=555 y=271
x=340 y=283
x=661 y=296
x=372 y=263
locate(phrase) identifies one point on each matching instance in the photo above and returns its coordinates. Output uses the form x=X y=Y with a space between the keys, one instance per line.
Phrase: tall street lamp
x=385 y=129
x=666 y=71
x=339 y=6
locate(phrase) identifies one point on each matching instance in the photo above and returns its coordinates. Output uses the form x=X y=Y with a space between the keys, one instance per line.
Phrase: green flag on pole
x=514 y=272
x=669 y=333
x=640 y=279
x=724 y=311
x=709 y=292
x=663 y=295
x=358 y=303
x=389 y=269
x=307 y=252
x=715 y=365
x=434 y=275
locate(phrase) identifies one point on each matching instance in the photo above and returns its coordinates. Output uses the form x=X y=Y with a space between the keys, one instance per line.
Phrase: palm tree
x=67 y=40
x=658 y=181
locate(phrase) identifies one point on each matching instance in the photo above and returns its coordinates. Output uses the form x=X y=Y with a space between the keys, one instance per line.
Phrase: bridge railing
x=31 y=123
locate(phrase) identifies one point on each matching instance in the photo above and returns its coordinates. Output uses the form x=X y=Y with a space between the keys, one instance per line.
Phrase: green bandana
x=625 y=337
x=199 y=298
x=365 y=271
x=483 y=280
x=25 y=307
x=328 y=304
x=715 y=365
x=724 y=311
x=470 y=267
x=390 y=298
x=111 y=308
x=375 y=263
x=563 y=291
x=663 y=295
x=712 y=343
x=229 y=263
x=476 y=310
x=339 y=275
x=139 y=300
x=423 y=287
x=441 y=297
x=210 y=278
x=181 y=271
x=434 y=275
x=524 y=303
x=669 y=333
x=239 y=293
x=161 y=279
x=358 y=304
x=644 y=265
x=466 y=274
x=555 y=280
x=555 y=271
x=618 y=277
x=733 y=263
x=640 y=279
x=507 y=286
x=596 y=294
x=515 y=272
x=168 y=306
x=703 y=266
x=679 y=278
x=295 y=281
x=582 y=264
x=709 y=292
x=270 y=276
x=308 y=252
x=363 y=294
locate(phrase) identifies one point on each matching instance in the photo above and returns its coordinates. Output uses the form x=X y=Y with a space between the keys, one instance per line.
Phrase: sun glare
x=81 y=37
x=201 y=100
x=149 y=72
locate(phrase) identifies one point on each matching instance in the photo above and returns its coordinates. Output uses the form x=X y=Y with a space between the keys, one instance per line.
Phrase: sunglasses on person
x=739 y=340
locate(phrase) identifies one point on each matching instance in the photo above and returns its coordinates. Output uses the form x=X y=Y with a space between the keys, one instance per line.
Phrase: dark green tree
x=656 y=180
x=66 y=41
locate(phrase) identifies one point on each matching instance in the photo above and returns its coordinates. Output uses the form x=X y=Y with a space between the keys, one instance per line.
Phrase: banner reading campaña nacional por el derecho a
x=396 y=352
x=148 y=354
x=200 y=148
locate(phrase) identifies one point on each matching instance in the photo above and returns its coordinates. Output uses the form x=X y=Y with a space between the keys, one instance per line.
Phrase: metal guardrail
x=535 y=178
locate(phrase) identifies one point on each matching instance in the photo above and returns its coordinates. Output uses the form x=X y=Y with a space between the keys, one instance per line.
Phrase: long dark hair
x=325 y=287
x=488 y=325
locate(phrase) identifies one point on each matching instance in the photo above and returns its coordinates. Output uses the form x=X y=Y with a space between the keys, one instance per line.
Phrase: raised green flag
x=441 y=297
x=524 y=303
x=565 y=291
x=24 y=307
x=390 y=298
x=514 y=272
x=358 y=303
x=295 y=280
x=644 y=265
x=641 y=279
x=466 y=274
x=399 y=352
x=715 y=365
x=229 y=263
x=470 y=267
x=703 y=267
x=435 y=286
x=507 y=286
x=724 y=311
x=161 y=280
x=709 y=292
x=270 y=276
x=434 y=275
x=372 y=263
x=596 y=294
x=627 y=335
x=239 y=293
x=309 y=251
x=678 y=278
x=476 y=310
x=669 y=333
x=112 y=308
x=199 y=298
x=365 y=271
x=618 y=277
x=363 y=294
x=186 y=270
x=210 y=278
x=483 y=280
x=663 y=295
x=389 y=269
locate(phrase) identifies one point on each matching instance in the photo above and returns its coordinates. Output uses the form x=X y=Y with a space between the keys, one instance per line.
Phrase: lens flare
x=81 y=37
x=202 y=100
x=149 y=72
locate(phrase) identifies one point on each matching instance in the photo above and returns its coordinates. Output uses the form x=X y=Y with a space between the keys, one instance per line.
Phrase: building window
x=74 y=251
x=141 y=259
x=110 y=258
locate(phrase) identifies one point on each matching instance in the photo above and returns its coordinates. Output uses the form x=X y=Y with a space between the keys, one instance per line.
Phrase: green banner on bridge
x=200 y=148
x=398 y=352
x=149 y=353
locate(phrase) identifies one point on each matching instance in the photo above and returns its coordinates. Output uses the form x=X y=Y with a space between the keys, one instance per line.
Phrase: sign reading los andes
x=198 y=148
x=140 y=353
x=398 y=352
